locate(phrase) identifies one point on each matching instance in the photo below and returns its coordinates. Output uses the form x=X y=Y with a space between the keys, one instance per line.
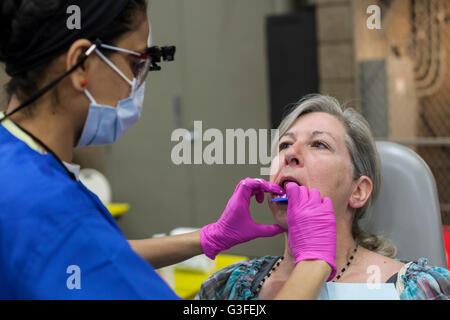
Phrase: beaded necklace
x=267 y=276
x=347 y=265
x=277 y=264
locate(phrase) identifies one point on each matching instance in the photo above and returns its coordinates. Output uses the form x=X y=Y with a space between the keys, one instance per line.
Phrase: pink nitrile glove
x=311 y=226
x=236 y=225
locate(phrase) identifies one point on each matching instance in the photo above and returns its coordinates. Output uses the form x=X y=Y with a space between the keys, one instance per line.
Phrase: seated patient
x=324 y=147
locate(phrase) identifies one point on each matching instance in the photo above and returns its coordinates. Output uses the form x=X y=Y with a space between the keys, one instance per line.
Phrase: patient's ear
x=361 y=192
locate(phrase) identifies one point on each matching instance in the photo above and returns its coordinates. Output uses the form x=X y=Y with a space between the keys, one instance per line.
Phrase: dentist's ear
x=74 y=55
x=361 y=192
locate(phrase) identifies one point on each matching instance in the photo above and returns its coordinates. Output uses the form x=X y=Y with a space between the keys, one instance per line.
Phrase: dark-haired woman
x=83 y=87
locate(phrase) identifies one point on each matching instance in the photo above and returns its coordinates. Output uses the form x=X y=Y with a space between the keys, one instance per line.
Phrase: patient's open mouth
x=279 y=198
x=282 y=183
x=286 y=180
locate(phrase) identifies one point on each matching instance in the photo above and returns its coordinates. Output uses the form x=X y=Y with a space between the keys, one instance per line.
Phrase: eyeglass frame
x=140 y=75
x=153 y=56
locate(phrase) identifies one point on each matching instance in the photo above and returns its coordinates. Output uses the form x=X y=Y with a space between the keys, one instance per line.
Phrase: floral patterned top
x=239 y=281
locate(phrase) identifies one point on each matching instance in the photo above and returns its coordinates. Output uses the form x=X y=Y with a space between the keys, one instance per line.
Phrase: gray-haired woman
x=324 y=147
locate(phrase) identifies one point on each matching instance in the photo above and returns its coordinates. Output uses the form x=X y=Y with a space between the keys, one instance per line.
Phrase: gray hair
x=364 y=158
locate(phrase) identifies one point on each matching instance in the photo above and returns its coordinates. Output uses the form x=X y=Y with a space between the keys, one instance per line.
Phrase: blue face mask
x=106 y=124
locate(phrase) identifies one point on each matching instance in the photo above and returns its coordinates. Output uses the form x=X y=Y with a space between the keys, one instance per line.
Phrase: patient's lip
x=284 y=180
x=282 y=183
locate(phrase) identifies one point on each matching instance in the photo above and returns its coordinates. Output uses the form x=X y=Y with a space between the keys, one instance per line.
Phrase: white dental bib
x=358 y=291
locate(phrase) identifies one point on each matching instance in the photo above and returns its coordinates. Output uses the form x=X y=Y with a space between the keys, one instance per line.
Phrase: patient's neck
x=344 y=247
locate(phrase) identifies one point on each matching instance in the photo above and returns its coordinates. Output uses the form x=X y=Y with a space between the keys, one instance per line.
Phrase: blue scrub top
x=57 y=240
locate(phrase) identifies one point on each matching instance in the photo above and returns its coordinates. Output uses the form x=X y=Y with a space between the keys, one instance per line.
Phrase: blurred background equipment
x=292 y=59
x=97 y=183
x=404 y=81
x=407 y=209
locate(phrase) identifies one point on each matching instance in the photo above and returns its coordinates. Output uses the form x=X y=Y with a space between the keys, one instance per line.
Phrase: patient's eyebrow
x=316 y=133
x=289 y=134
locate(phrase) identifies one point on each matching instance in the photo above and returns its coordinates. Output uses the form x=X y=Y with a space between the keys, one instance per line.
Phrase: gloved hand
x=311 y=226
x=236 y=226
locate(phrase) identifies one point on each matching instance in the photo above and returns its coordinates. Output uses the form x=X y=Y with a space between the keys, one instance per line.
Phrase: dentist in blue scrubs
x=73 y=86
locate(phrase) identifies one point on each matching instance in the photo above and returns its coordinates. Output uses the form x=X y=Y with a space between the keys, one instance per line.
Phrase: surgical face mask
x=106 y=124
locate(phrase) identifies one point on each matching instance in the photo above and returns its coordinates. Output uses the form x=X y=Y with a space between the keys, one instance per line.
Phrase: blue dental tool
x=281 y=199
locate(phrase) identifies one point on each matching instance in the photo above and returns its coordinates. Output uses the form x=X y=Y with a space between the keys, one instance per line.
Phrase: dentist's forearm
x=306 y=281
x=165 y=251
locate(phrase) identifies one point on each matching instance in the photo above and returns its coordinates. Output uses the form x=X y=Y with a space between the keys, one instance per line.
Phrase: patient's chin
x=279 y=213
x=283 y=223
x=280 y=217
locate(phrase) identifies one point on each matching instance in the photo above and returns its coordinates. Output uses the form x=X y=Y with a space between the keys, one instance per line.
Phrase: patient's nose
x=292 y=157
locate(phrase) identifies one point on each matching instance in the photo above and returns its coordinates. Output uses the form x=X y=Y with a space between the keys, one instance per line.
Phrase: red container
x=446 y=231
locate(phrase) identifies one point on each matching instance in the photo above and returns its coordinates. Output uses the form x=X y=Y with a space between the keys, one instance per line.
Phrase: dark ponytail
x=18 y=19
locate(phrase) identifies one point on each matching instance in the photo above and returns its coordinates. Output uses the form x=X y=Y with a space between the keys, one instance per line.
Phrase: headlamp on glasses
x=166 y=53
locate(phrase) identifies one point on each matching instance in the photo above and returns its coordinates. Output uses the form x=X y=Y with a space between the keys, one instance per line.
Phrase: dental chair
x=407 y=210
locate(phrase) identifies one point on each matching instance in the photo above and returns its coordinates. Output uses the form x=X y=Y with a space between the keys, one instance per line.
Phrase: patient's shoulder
x=368 y=263
x=235 y=281
x=388 y=266
x=418 y=280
